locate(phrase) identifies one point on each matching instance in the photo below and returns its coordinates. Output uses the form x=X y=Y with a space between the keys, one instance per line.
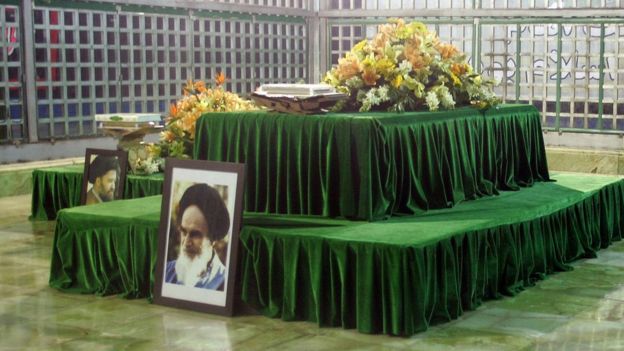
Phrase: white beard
x=190 y=270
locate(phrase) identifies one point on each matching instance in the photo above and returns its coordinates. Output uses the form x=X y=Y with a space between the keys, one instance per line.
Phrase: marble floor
x=578 y=310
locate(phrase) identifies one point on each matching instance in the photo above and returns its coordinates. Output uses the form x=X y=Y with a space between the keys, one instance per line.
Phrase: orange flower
x=348 y=67
x=413 y=54
x=168 y=136
x=458 y=69
x=220 y=79
x=200 y=86
x=447 y=50
x=370 y=76
x=188 y=88
x=379 y=43
x=173 y=110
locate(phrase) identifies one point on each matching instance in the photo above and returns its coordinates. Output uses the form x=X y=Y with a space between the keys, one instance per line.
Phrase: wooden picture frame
x=200 y=219
x=104 y=176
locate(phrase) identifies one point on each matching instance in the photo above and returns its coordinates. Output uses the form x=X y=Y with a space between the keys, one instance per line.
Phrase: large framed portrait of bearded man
x=104 y=176
x=198 y=235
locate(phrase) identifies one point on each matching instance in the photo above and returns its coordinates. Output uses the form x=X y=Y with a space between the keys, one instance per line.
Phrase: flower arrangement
x=407 y=67
x=144 y=159
x=179 y=133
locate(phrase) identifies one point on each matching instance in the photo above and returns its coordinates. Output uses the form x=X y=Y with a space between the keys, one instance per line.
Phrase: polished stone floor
x=578 y=310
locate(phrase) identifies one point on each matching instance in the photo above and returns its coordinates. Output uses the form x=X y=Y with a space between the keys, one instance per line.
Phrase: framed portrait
x=104 y=176
x=198 y=235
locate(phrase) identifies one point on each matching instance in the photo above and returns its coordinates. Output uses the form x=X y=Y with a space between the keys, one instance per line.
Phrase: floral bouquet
x=407 y=67
x=179 y=133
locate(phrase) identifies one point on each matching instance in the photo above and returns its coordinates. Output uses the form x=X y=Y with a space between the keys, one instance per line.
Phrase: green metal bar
x=552 y=20
x=591 y=131
x=488 y=21
x=118 y=65
x=601 y=68
x=372 y=21
x=63 y=69
x=10 y=2
x=81 y=5
x=477 y=40
x=474 y=45
x=248 y=17
x=281 y=19
x=221 y=15
x=329 y=48
x=558 y=98
x=518 y=62
x=154 y=10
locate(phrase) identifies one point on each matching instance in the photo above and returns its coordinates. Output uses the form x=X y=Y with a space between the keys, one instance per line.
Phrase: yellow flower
x=360 y=47
x=384 y=66
x=396 y=82
x=455 y=79
x=414 y=62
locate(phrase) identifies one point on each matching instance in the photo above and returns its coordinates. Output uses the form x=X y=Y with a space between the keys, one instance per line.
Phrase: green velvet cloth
x=402 y=275
x=56 y=188
x=107 y=248
x=396 y=276
x=374 y=165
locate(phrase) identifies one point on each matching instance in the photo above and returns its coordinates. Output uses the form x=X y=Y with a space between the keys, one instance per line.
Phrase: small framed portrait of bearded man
x=198 y=241
x=104 y=176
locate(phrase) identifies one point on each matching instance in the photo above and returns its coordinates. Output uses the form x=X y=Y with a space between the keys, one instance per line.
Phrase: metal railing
x=569 y=66
x=62 y=62
x=106 y=57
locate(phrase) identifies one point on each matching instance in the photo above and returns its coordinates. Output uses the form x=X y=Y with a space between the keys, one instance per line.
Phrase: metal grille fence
x=572 y=69
x=105 y=57
x=11 y=97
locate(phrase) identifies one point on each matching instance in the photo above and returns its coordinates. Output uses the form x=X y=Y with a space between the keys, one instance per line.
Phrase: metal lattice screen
x=569 y=69
x=471 y=4
x=11 y=96
x=90 y=61
x=76 y=65
x=100 y=58
x=542 y=4
x=154 y=60
x=300 y=4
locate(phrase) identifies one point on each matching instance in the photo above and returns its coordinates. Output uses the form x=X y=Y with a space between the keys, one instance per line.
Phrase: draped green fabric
x=107 y=248
x=374 y=165
x=56 y=188
x=143 y=185
x=401 y=275
x=396 y=276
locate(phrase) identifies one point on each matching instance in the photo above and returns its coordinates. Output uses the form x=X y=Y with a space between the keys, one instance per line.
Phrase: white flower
x=354 y=82
x=445 y=97
x=382 y=93
x=372 y=97
x=432 y=101
x=152 y=167
x=405 y=67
